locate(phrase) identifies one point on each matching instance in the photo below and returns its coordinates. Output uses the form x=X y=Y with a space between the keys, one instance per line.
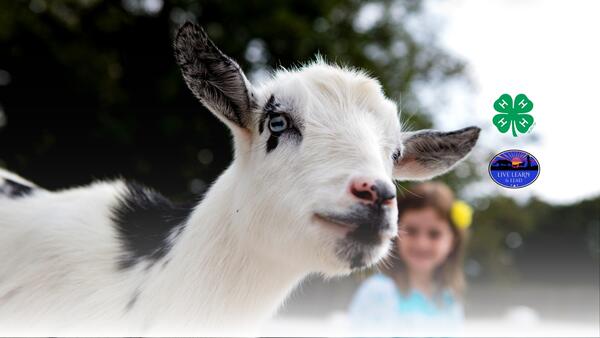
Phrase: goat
x=310 y=190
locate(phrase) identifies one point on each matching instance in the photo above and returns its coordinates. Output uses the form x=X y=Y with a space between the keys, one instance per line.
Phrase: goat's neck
x=215 y=274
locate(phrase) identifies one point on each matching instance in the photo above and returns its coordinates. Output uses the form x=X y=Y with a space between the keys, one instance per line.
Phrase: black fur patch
x=272 y=143
x=357 y=245
x=145 y=220
x=14 y=189
x=356 y=254
x=270 y=108
x=369 y=219
x=357 y=260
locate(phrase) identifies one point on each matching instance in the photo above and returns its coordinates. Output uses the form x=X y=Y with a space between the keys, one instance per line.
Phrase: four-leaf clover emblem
x=513 y=114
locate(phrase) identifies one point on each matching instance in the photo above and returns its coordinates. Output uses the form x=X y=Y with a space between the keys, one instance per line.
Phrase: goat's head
x=319 y=147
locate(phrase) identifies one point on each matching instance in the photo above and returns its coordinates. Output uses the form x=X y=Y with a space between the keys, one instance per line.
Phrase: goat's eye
x=396 y=155
x=278 y=124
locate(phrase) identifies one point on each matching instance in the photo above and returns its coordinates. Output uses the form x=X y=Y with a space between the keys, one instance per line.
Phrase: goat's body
x=61 y=270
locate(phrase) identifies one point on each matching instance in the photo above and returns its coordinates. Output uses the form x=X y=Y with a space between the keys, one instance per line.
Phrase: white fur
x=244 y=248
x=5 y=174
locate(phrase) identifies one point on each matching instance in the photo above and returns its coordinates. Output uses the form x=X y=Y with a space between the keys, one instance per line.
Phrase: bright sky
x=549 y=51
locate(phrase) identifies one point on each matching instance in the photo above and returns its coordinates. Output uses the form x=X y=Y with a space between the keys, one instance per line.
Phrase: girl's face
x=426 y=240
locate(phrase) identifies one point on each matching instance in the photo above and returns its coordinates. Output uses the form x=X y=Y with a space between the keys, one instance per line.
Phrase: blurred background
x=89 y=90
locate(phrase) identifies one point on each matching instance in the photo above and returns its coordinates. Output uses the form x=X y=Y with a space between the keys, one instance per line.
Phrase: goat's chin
x=350 y=257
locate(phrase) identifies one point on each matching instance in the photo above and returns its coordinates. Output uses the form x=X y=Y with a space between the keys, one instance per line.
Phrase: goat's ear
x=214 y=78
x=429 y=153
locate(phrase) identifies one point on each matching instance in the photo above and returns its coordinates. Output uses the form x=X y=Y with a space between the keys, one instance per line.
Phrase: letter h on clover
x=513 y=115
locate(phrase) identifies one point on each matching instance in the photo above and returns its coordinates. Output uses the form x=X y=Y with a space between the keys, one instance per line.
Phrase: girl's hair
x=450 y=274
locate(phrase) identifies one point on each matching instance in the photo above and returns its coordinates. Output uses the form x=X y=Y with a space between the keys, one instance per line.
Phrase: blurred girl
x=421 y=285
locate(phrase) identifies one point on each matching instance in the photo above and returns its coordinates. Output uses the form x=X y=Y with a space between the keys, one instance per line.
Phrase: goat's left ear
x=429 y=153
x=214 y=78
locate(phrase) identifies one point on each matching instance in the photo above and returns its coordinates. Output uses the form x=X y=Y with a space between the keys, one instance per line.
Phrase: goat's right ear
x=214 y=78
x=429 y=153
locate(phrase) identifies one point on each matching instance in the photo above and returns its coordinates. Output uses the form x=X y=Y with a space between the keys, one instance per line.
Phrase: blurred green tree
x=94 y=91
x=536 y=241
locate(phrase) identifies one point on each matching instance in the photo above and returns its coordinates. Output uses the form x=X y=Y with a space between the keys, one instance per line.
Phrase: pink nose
x=372 y=191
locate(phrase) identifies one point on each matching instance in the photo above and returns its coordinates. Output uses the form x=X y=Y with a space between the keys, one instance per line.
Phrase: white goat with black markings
x=309 y=191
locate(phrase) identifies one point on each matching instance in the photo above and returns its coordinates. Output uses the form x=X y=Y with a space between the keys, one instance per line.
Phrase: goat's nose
x=372 y=190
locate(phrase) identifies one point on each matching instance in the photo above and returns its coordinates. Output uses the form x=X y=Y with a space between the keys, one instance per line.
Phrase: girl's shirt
x=379 y=308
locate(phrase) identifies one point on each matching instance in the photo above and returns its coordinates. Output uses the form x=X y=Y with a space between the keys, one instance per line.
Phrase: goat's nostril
x=363 y=194
x=372 y=191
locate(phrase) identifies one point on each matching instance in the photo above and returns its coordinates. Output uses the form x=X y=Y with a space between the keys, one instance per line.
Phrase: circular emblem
x=514 y=169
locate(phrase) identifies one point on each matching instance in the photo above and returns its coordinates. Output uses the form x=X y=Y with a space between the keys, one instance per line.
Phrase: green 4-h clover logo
x=513 y=115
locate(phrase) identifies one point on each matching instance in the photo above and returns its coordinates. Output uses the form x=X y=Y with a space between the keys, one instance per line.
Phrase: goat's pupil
x=278 y=124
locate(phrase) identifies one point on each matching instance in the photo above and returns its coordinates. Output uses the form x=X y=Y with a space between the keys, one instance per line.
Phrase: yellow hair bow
x=461 y=214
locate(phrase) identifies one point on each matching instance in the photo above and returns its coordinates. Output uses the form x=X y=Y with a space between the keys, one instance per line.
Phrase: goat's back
x=59 y=256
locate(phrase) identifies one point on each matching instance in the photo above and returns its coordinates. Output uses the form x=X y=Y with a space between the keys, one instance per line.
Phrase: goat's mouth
x=365 y=224
x=363 y=237
x=333 y=223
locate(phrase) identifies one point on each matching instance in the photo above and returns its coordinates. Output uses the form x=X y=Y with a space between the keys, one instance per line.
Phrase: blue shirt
x=379 y=308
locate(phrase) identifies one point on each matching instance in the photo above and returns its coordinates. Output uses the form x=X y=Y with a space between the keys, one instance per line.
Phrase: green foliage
x=94 y=83
x=557 y=238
